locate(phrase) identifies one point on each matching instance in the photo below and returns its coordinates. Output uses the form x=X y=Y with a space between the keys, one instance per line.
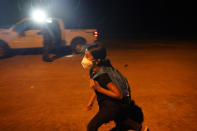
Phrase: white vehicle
x=25 y=34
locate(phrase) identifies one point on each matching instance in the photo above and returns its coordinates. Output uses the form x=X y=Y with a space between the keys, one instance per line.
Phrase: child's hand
x=88 y=107
x=92 y=83
x=91 y=102
x=96 y=86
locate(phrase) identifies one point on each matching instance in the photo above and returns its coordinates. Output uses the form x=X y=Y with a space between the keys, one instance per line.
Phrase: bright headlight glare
x=39 y=16
x=49 y=20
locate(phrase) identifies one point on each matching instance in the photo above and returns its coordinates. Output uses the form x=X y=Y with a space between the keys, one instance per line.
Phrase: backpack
x=117 y=78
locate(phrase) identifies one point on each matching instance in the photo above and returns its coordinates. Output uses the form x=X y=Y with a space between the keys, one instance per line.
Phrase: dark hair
x=98 y=51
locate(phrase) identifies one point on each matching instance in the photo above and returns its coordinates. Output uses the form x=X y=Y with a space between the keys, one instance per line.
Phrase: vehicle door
x=28 y=36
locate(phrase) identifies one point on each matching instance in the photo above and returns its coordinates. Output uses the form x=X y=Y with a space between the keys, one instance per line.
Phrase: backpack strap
x=99 y=72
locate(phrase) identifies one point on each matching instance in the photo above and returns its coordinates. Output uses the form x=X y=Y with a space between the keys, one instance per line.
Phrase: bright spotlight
x=39 y=16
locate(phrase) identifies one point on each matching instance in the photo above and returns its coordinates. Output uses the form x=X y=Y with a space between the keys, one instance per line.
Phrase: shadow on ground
x=58 y=53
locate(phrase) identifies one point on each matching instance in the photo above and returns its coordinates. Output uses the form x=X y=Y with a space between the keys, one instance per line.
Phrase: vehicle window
x=26 y=25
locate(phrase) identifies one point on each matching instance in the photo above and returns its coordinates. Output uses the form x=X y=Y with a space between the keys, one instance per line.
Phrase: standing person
x=48 y=41
x=112 y=92
x=56 y=35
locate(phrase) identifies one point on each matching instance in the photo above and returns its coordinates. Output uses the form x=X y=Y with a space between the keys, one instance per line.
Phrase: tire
x=4 y=49
x=77 y=43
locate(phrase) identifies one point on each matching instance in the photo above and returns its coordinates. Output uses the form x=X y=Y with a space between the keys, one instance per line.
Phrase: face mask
x=86 y=63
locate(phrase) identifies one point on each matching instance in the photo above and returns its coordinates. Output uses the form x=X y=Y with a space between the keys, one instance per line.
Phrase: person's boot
x=47 y=59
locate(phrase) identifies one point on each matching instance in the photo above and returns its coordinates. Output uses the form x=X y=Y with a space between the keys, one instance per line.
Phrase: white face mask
x=86 y=63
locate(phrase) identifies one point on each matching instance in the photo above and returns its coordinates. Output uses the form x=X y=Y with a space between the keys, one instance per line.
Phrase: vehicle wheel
x=77 y=44
x=4 y=49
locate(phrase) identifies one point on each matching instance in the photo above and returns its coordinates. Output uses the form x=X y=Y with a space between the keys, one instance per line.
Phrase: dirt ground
x=41 y=96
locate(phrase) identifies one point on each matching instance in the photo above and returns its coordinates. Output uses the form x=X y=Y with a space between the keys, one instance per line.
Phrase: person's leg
x=46 y=51
x=108 y=112
x=129 y=119
x=130 y=124
x=118 y=127
x=100 y=118
x=57 y=48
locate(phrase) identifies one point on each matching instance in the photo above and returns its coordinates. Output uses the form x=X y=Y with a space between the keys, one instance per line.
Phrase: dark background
x=117 y=18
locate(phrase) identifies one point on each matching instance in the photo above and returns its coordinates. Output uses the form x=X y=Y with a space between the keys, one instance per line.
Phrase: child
x=112 y=92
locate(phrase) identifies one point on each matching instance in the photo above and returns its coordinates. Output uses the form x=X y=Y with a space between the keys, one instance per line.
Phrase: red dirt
x=35 y=95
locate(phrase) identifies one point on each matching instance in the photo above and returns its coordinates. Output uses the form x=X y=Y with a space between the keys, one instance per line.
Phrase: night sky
x=117 y=17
